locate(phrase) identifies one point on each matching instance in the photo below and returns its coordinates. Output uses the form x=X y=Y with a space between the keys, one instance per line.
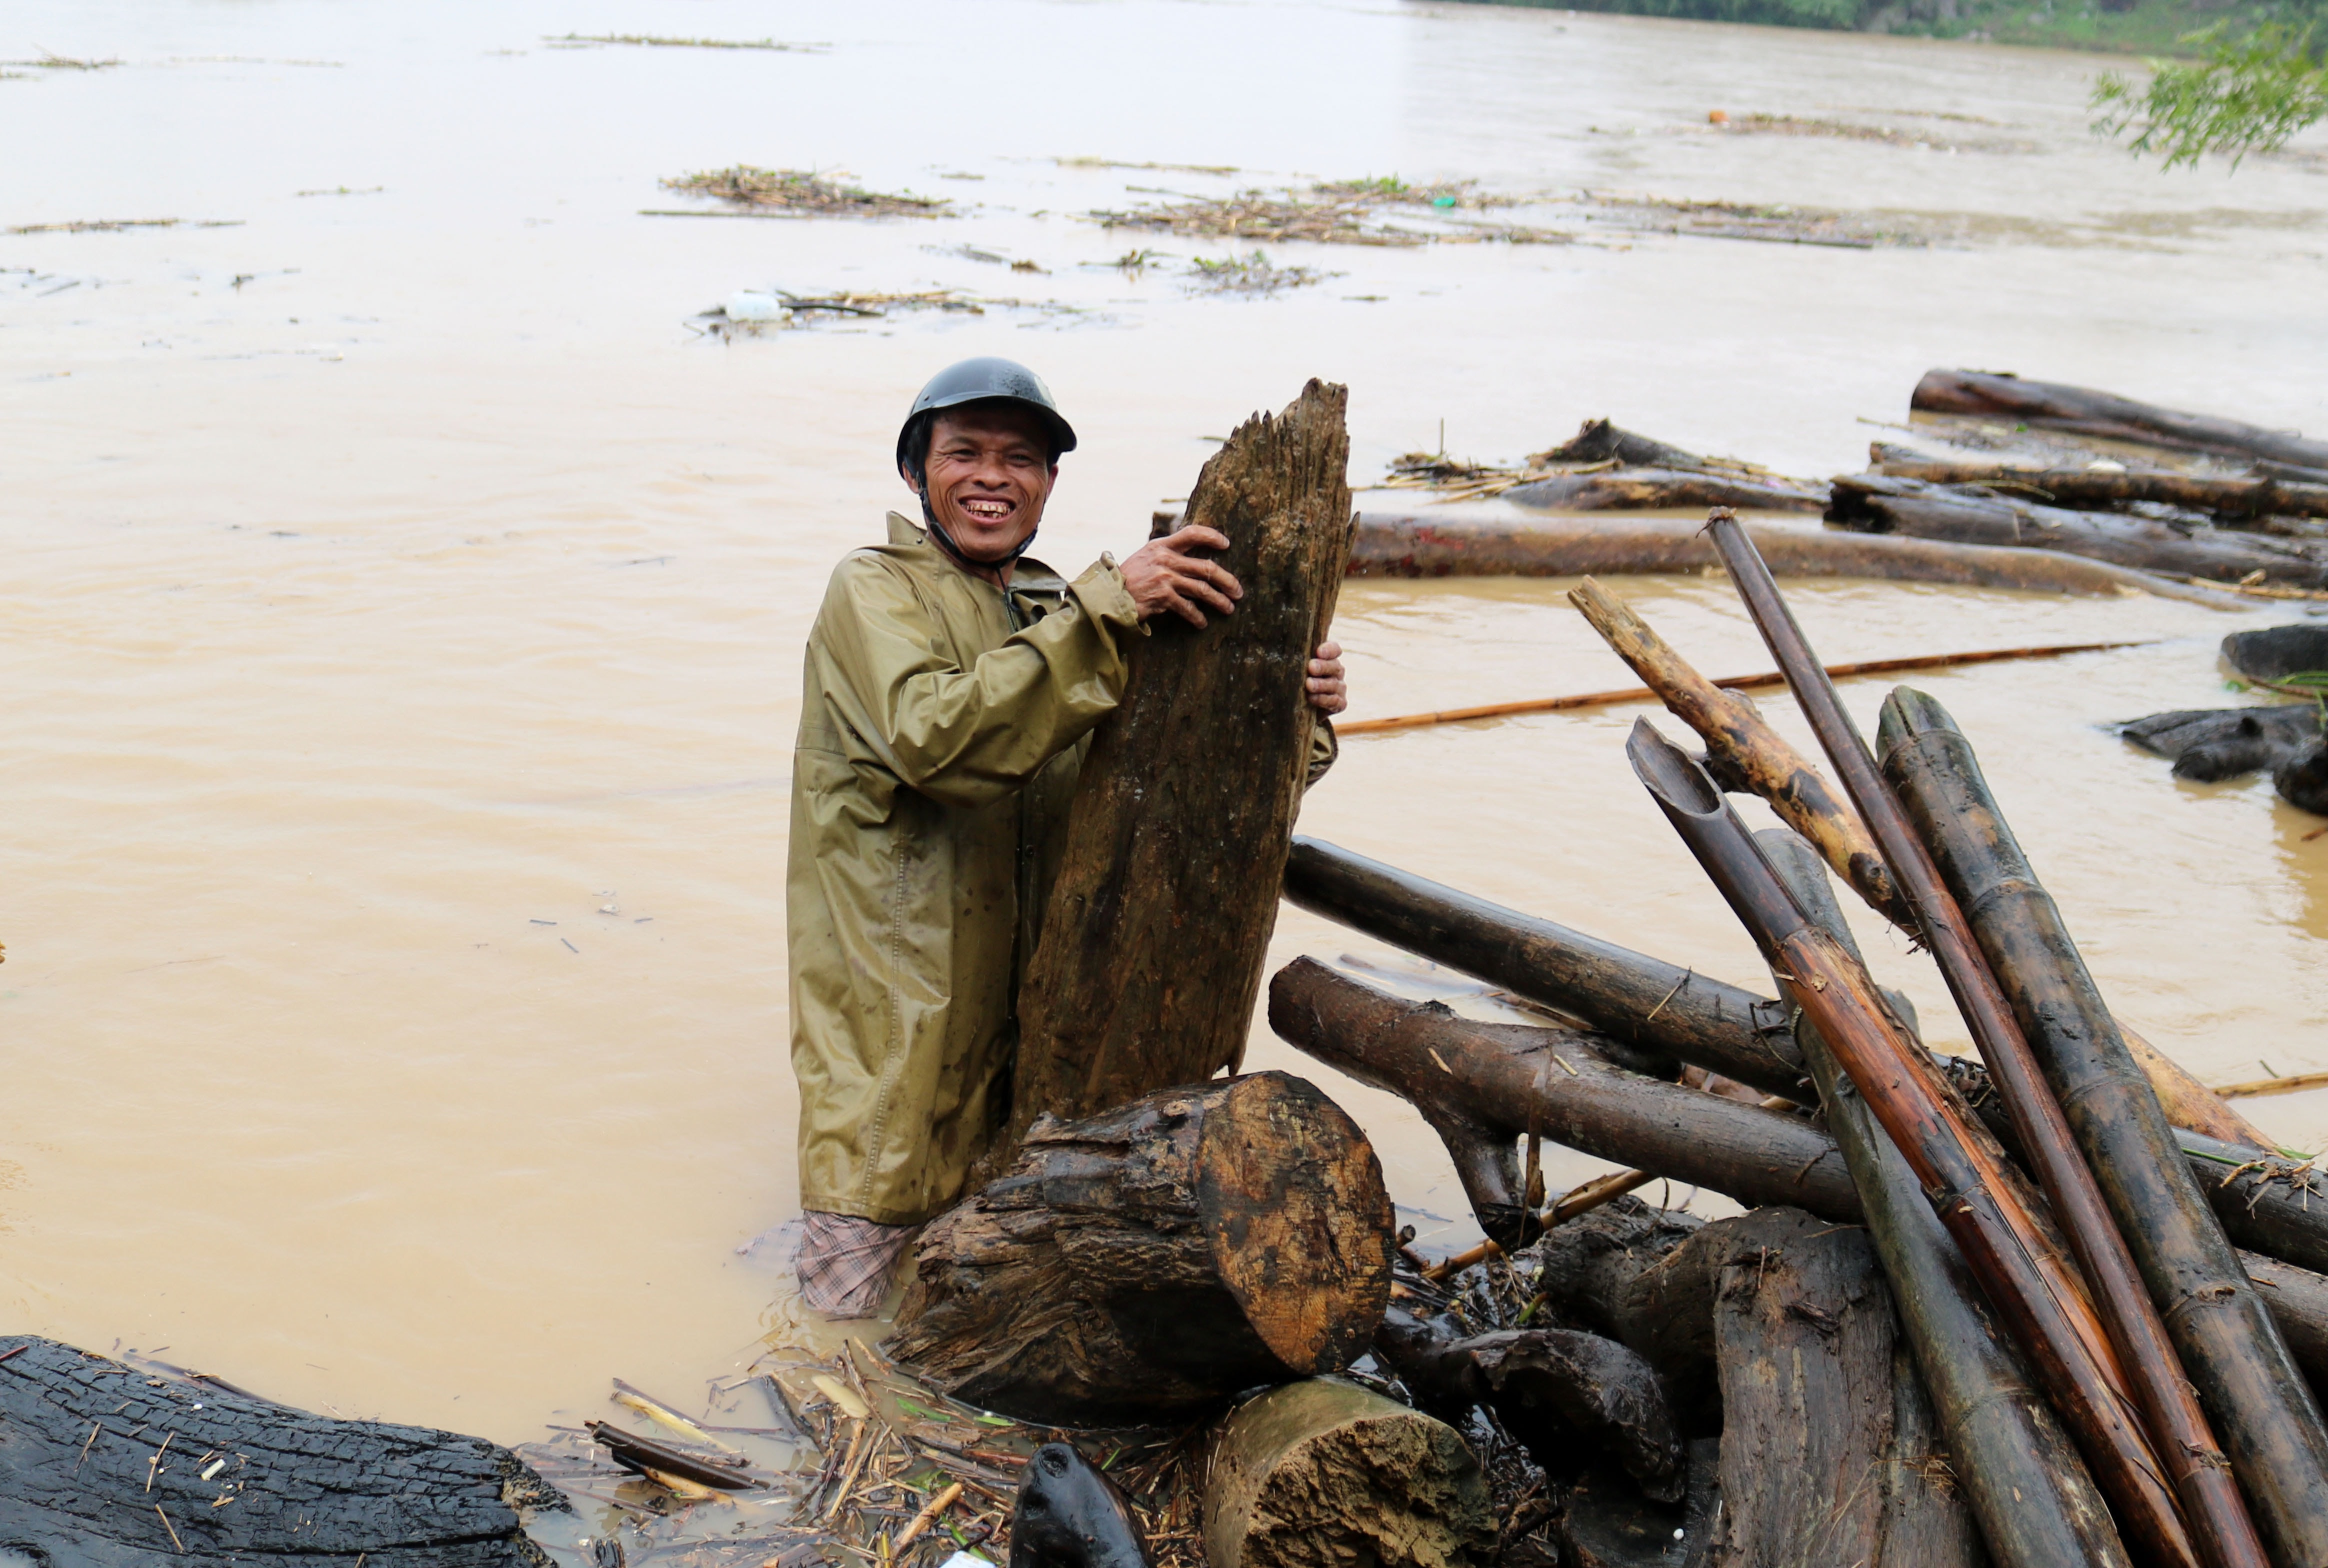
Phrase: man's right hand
x=1162 y=574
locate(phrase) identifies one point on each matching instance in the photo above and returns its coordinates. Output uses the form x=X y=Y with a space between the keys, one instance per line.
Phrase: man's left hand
x=1329 y=693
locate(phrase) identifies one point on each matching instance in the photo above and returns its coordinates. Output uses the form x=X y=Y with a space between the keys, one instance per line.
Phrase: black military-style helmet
x=982 y=380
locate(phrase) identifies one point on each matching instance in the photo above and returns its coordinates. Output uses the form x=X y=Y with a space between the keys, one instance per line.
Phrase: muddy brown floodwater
x=403 y=603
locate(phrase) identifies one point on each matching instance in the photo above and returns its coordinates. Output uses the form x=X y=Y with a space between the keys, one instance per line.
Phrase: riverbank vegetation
x=2153 y=27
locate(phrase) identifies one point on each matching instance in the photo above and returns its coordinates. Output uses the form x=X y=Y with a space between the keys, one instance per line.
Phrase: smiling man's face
x=990 y=472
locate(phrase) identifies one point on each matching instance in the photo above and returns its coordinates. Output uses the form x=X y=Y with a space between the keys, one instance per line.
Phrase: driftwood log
x=1393 y=545
x=1644 y=489
x=2084 y=412
x=1323 y=1473
x=1157 y=1259
x=1157 y=927
x=1598 y=441
x=1884 y=506
x=1069 y=1514
x=1483 y=1086
x=2207 y=745
x=2229 y=500
x=110 y=1466
x=2255 y=1398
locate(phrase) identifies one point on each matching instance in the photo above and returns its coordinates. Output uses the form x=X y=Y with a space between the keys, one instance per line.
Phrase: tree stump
x=110 y=1466
x=1159 y=924
x=1325 y=1474
x=1158 y=1259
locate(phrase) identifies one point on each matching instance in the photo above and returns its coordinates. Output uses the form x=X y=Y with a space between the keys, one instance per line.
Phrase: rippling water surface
x=403 y=603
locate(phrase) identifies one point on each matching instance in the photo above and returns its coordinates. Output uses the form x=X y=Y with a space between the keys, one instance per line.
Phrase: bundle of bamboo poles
x=2067 y=1282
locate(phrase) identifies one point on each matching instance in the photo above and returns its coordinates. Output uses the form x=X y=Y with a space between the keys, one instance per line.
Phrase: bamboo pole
x=2034 y=1497
x=2177 y=1427
x=2286 y=1084
x=2246 y=1381
x=2034 y=1290
x=1736 y=683
x=1742 y=743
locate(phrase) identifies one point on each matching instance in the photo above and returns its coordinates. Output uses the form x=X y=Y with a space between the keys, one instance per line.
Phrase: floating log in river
x=2085 y=411
x=1157 y=1258
x=1118 y=1002
x=1648 y=489
x=1896 y=507
x=1395 y=545
x=2230 y=499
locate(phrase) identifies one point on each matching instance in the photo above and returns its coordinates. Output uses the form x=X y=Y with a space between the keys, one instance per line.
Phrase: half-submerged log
x=1828 y=1454
x=2207 y=745
x=102 y=1463
x=1157 y=1259
x=2018 y=1471
x=1323 y=1472
x=2255 y=1398
x=2085 y=411
x=1598 y=441
x=1482 y=1085
x=1157 y=931
x=1889 y=508
x=1646 y=489
x=1392 y=544
x=1068 y=1515
x=2232 y=500
x=2278 y=653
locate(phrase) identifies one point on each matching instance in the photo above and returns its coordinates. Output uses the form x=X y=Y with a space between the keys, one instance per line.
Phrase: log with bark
x=1654 y=1013
x=1646 y=489
x=1829 y=1450
x=1323 y=1472
x=1157 y=1259
x=2019 y=1472
x=1483 y=1086
x=1157 y=927
x=108 y=1465
x=2230 y=499
x=1598 y=441
x=1890 y=507
x=1393 y=545
x=2085 y=411
x=2254 y=1396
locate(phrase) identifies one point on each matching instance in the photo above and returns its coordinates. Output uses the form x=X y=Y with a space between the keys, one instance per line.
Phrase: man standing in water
x=950 y=687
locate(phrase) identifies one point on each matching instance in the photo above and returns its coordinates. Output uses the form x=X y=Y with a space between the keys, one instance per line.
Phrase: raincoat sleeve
x=970 y=736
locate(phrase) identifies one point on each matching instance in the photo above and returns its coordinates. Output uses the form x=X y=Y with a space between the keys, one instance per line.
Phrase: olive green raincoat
x=943 y=724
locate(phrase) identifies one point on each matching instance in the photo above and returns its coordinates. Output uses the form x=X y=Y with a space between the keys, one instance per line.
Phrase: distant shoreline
x=2151 y=27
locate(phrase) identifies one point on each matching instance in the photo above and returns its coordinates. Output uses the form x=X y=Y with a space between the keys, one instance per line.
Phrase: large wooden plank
x=1153 y=942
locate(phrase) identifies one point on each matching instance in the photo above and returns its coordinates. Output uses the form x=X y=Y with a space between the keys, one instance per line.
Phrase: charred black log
x=2207 y=745
x=106 y=1465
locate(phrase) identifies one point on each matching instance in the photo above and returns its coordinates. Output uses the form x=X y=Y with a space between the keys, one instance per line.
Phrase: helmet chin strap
x=945 y=540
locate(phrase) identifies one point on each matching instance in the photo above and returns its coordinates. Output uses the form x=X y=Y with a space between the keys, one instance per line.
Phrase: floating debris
x=1152 y=168
x=344 y=190
x=109 y=225
x=60 y=62
x=1800 y=126
x=748 y=313
x=1337 y=212
x=652 y=41
x=773 y=191
x=1247 y=275
x=1782 y=225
